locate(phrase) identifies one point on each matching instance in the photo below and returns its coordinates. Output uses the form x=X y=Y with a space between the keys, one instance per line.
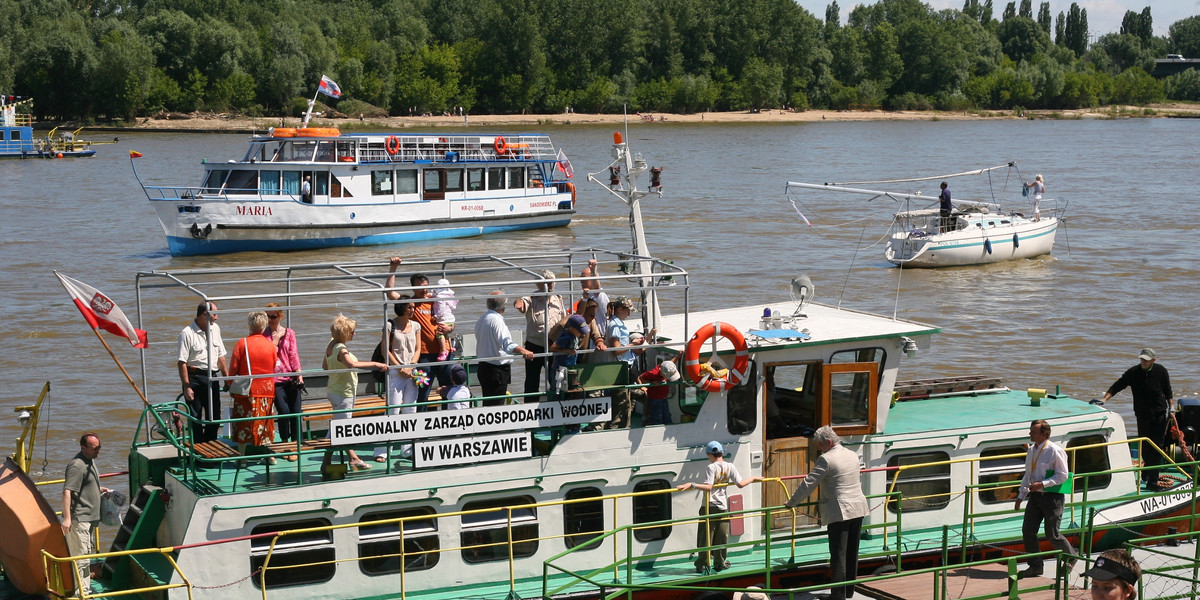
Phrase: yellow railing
x=58 y=587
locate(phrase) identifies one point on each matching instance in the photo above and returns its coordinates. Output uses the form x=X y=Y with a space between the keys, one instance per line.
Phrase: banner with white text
x=471 y=421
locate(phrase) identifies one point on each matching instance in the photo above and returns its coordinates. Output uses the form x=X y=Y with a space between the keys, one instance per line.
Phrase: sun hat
x=1147 y=354
x=1106 y=569
x=714 y=447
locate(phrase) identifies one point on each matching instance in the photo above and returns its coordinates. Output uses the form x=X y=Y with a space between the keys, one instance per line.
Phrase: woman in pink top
x=287 y=389
x=254 y=355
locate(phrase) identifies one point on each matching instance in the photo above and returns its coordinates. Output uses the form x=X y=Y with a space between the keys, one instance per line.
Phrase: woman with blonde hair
x=1039 y=188
x=343 y=385
x=254 y=355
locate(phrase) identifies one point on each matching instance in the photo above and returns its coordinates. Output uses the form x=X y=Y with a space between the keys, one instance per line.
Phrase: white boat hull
x=1021 y=239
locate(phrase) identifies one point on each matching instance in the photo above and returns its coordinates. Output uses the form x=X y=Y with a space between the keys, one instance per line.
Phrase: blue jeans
x=658 y=412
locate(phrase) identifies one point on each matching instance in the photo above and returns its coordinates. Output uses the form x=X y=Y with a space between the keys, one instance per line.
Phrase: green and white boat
x=506 y=502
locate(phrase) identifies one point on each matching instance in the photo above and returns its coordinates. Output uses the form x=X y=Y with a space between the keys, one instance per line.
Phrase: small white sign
x=458 y=451
x=470 y=421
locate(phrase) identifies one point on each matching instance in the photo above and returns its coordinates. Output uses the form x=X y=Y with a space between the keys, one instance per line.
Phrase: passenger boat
x=17 y=139
x=365 y=189
x=513 y=501
x=981 y=231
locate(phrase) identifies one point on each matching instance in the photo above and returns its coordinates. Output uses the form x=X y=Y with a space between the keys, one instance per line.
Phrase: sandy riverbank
x=220 y=122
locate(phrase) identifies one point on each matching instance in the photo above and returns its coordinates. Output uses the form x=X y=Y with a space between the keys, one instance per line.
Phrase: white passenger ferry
x=513 y=501
x=316 y=187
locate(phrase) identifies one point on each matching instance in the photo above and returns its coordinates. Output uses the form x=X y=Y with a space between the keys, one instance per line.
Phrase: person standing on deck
x=1152 y=402
x=541 y=311
x=200 y=349
x=494 y=347
x=1045 y=467
x=430 y=328
x=306 y=190
x=843 y=505
x=81 y=505
x=1039 y=188
x=713 y=528
x=945 y=209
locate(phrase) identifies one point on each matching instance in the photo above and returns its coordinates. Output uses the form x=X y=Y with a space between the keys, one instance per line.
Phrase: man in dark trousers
x=1045 y=473
x=1152 y=402
x=946 y=207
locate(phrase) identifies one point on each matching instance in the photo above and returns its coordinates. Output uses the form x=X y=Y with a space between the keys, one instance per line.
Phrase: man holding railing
x=713 y=529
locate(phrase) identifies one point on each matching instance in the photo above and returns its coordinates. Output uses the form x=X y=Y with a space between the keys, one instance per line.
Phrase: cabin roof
x=979 y=411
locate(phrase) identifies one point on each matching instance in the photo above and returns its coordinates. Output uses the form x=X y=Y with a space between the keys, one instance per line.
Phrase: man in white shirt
x=494 y=341
x=201 y=353
x=713 y=529
x=1045 y=469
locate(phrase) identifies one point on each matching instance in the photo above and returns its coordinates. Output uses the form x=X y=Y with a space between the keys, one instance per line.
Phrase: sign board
x=457 y=451
x=468 y=422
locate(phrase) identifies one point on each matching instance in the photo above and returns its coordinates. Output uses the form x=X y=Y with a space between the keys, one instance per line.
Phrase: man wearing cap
x=713 y=529
x=1045 y=468
x=1152 y=402
x=843 y=505
x=494 y=346
x=657 y=411
x=566 y=350
x=541 y=311
x=1114 y=576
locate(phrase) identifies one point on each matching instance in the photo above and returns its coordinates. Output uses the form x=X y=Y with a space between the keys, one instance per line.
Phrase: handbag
x=241 y=385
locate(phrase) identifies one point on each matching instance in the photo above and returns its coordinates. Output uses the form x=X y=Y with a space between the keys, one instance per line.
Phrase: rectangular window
x=850 y=393
x=651 y=508
x=583 y=520
x=16 y=134
x=299 y=151
x=381 y=183
x=433 y=180
x=215 y=181
x=325 y=151
x=379 y=546
x=791 y=400
x=475 y=181
x=861 y=355
x=1006 y=473
x=242 y=182
x=495 y=177
x=742 y=405
x=291 y=182
x=1089 y=460
x=535 y=177
x=485 y=535
x=406 y=181
x=922 y=486
x=345 y=151
x=298 y=559
x=454 y=180
x=268 y=182
x=516 y=177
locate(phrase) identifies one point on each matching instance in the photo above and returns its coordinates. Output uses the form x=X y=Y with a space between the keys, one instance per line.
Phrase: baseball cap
x=458 y=375
x=636 y=337
x=1147 y=354
x=622 y=301
x=577 y=322
x=1106 y=569
x=713 y=447
x=669 y=370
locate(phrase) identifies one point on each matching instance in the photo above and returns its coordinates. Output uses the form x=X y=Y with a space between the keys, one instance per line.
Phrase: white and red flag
x=564 y=164
x=329 y=88
x=100 y=311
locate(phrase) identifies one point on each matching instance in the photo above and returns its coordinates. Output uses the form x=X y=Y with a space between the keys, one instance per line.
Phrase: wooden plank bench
x=214 y=450
x=365 y=406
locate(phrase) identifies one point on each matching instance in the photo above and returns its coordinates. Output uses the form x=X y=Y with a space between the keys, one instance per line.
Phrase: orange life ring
x=741 y=361
x=392 y=144
x=500 y=145
x=318 y=132
x=571 y=186
x=284 y=132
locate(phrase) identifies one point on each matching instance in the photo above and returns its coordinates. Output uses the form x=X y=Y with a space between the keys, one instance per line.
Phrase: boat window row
x=384 y=182
x=415 y=544
x=999 y=472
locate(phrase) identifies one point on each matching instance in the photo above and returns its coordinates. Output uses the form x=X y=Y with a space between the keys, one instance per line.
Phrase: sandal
x=359 y=465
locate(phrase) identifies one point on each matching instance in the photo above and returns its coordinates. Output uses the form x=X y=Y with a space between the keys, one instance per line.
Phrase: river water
x=1075 y=319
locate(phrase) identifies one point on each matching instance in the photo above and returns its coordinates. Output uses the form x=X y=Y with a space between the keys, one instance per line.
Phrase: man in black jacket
x=1152 y=402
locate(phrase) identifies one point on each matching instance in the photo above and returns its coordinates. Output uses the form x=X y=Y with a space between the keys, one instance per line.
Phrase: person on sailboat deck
x=1152 y=402
x=1039 y=188
x=946 y=207
x=1045 y=472
x=843 y=505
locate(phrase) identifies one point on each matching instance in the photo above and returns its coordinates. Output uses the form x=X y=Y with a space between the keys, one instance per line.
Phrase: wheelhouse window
x=381 y=183
x=406 y=181
x=791 y=400
x=485 y=535
x=1089 y=460
x=298 y=151
x=516 y=177
x=298 y=559
x=651 y=508
x=851 y=397
x=1005 y=472
x=345 y=151
x=922 y=486
x=583 y=521
x=475 y=180
x=382 y=547
x=326 y=152
x=861 y=355
x=742 y=406
x=495 y=176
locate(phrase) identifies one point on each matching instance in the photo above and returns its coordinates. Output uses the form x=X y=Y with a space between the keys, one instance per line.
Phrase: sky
x=1104 y=16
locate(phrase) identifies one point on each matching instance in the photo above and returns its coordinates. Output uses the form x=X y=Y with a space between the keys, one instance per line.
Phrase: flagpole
x=121 y=367
x=311 y=104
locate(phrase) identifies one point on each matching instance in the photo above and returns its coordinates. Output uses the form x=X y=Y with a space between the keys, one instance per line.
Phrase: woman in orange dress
x=254 y=355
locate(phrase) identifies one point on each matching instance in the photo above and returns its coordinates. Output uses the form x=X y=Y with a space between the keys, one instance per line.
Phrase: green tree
x=1183 y=86
x=58 y=60
x=1043 y=18
x=1026 y=10
x=1136 y=86
x=1076 y=32
x=762 y=84
x=122 y=74
x=1010 y=11
x=1184 y=36
x=1021 y=38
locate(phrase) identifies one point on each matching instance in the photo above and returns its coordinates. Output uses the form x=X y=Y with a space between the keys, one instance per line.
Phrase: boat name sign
x=470 y=421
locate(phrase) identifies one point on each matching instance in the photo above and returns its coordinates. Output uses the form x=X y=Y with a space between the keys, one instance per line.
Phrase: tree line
x=121 y=59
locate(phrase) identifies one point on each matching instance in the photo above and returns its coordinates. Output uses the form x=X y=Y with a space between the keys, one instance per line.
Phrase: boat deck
x=997 y=407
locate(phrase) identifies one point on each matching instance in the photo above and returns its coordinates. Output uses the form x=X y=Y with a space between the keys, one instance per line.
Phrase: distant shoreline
x=212 y=123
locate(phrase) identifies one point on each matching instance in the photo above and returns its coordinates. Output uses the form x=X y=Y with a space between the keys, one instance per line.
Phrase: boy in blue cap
x=713 y=529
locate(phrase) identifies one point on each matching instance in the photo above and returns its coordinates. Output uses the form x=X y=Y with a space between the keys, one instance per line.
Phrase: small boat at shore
x=544 y=496
x=316 y=187
x=978 y=231
x=17 y=139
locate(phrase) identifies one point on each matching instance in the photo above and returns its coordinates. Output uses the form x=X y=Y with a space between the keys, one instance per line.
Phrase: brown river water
x=1123 y=274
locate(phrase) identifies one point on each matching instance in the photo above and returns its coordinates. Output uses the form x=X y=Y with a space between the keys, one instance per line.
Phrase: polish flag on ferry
x=100 y=312
x=329 y=88
x=564 y=164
